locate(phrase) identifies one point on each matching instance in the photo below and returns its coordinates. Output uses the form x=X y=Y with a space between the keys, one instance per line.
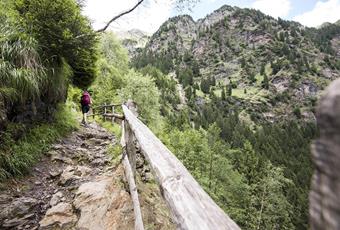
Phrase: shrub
x=17 y=156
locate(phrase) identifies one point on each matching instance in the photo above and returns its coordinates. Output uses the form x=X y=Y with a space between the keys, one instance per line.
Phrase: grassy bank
x=17 y=156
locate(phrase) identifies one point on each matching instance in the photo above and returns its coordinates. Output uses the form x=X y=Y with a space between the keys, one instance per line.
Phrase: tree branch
x=119 y=15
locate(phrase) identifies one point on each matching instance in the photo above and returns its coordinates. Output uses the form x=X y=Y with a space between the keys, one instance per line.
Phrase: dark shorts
x=85 y=108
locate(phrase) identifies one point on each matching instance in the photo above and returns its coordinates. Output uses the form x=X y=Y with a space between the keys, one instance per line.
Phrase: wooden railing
x=107 y=112
x=191 y=207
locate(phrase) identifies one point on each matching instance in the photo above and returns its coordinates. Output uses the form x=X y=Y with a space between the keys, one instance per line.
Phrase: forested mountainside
x=274 y=68
x=245 y=126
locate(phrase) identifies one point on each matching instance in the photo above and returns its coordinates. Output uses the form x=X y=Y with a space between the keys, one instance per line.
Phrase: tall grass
x=17 y=156
x=21 y=72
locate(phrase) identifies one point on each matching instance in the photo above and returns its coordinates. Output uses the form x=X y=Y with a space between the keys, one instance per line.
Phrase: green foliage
x=280 y=150
x=113 y=128
x=116 y=152
x=265 y=82
x=113 y=52
x=207 y=83
x=44 y=45
x=230 y=89
x=112 y=66
x=169 y=97
x=223 y=95
x=185 y=77
x=143 y=91
x=322 y=37
x=257 y=171
x=18 y=154
x=62 y=33
x=22 y=75
x=297 y=112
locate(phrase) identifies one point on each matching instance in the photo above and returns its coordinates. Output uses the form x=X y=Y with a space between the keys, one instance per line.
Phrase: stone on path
x=101 y=205
x=60 y=216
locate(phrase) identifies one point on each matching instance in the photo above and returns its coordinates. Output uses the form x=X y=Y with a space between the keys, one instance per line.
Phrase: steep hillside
x=274 y=68
x=133 y=40
x=251 y=83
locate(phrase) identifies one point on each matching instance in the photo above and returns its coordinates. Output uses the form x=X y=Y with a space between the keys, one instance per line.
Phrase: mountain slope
x=253 y=81
x=276 y=65
x=133 y=40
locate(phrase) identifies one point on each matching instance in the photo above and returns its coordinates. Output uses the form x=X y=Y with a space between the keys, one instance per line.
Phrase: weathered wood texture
x=130 y=147
x=191 y=206
x=132 y=185
x=324 y=196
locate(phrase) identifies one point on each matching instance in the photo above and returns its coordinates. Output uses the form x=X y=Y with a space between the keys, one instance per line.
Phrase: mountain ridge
x=283 y=65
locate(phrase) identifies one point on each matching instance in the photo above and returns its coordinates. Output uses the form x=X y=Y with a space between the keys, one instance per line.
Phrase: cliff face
x=274 y=64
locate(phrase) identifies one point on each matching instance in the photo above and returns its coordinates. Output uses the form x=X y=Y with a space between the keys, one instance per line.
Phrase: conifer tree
x=223 y=96
x=230 y=89
x=265 y=82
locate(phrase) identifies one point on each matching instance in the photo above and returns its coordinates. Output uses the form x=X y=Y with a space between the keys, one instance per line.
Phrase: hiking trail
x=74 y=186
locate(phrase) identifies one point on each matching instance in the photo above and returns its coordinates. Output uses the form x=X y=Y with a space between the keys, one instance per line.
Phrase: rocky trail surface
x=74 y=186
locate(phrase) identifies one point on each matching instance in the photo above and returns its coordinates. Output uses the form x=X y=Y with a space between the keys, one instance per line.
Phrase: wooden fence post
x=132 y=185
x=324 y=196
x=113 y=112
x=104 y=116
x=130 y=147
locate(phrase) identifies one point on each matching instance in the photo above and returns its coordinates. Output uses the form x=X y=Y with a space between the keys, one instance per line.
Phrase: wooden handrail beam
x=191 y=207
x=110 y=115
x=105 y=106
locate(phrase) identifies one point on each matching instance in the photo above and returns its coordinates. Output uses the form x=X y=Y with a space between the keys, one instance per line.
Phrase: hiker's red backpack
x=85 y=99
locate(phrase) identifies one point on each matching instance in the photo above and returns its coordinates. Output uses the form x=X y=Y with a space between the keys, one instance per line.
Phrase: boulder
x=60 y=216
x=100 y=205
x=17 y=221
x=68 y=176
x=18 y=208
x=56 y=198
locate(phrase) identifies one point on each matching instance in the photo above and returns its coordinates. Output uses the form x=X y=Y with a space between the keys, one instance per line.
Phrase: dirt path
x=73 y=187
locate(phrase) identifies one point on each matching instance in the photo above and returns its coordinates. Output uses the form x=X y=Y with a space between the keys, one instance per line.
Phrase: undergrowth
x=17 y=156
x=113 y=128
x=114 y=150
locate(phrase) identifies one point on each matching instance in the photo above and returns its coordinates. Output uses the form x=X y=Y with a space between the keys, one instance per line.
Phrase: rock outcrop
x=325 y=191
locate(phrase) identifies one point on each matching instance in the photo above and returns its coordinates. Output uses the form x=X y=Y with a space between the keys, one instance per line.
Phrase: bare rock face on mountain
x=133 y=40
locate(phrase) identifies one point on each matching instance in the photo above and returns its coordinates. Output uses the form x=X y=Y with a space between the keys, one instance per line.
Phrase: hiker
x=85 y=102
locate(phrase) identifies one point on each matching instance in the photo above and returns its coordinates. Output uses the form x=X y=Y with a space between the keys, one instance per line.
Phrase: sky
x=152 y=13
